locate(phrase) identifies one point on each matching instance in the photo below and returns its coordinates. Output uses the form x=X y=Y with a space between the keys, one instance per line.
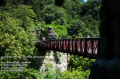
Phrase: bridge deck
x=86 y=47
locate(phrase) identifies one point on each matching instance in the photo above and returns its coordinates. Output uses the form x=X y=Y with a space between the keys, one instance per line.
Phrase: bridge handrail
x=58 y=40
x=87 y=46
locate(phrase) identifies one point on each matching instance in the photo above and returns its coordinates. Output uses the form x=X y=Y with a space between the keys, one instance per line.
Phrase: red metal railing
x=87 y=47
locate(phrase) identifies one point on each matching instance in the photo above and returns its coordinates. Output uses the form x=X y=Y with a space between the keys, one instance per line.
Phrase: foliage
x=73 y=8
x=89 y=27
x=54 y=14
x=26 y=14
x=14 y=40
x=37 y=6
x=76 y=28
x=79 y=68
x=92 y=26
x=57 y=56
x=75 y=74
x=90 y=10
x=50 y=73
x=80 y=62
x=60 y=30
x=26 y=74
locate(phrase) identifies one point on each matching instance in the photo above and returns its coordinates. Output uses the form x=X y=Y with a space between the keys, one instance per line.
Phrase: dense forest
x=19 y=18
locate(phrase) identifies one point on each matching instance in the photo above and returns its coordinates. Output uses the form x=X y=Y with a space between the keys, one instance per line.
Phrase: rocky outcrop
x=49 y=58
x=53 y=58
x=51 y=34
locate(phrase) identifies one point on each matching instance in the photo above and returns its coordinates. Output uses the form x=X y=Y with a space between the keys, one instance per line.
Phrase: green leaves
x=75 y=74
x=76 y=27
x=79 y=68
x=80 y=62
x=26 y=15
x=14 y=40
x=61 y=30
x=54 y=14
x=26 y=74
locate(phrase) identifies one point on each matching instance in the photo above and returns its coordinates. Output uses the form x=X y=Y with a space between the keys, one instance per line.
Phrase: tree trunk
x=1 y=2
x=59 y=2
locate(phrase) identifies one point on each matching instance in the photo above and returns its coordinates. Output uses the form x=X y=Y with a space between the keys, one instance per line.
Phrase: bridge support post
x=107 y=65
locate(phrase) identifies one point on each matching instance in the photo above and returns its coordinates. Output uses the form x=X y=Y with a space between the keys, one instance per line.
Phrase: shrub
x=77 y=62
x=50 y=73
x=79 y=68
x=14 y=40
x=61 y=30
x=26 y=74
x=76 y=27
x=75 y=74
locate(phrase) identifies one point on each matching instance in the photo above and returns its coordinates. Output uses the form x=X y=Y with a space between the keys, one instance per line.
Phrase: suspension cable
x=75 y=28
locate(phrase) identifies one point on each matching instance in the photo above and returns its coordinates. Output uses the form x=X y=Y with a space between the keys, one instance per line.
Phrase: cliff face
x=52 y=58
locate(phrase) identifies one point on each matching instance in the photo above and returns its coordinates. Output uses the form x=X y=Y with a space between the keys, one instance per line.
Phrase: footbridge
x=86 y=47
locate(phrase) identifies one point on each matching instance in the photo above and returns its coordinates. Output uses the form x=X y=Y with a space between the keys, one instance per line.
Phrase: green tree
x=38 y=6
x=78 y=68
x=76 y=28
x=54 y=14
x=26 y=14
x=14 y=40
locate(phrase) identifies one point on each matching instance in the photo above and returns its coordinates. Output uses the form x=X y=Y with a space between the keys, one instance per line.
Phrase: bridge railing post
x=95 y=46
x=73 y=46
x=70 y=46
x=64 y=45
x=78 y=46
x=83 y=46
x=59 y=46
x=89 y=47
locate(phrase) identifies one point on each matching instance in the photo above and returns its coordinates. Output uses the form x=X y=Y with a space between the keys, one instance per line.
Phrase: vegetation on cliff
x=21 y=19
